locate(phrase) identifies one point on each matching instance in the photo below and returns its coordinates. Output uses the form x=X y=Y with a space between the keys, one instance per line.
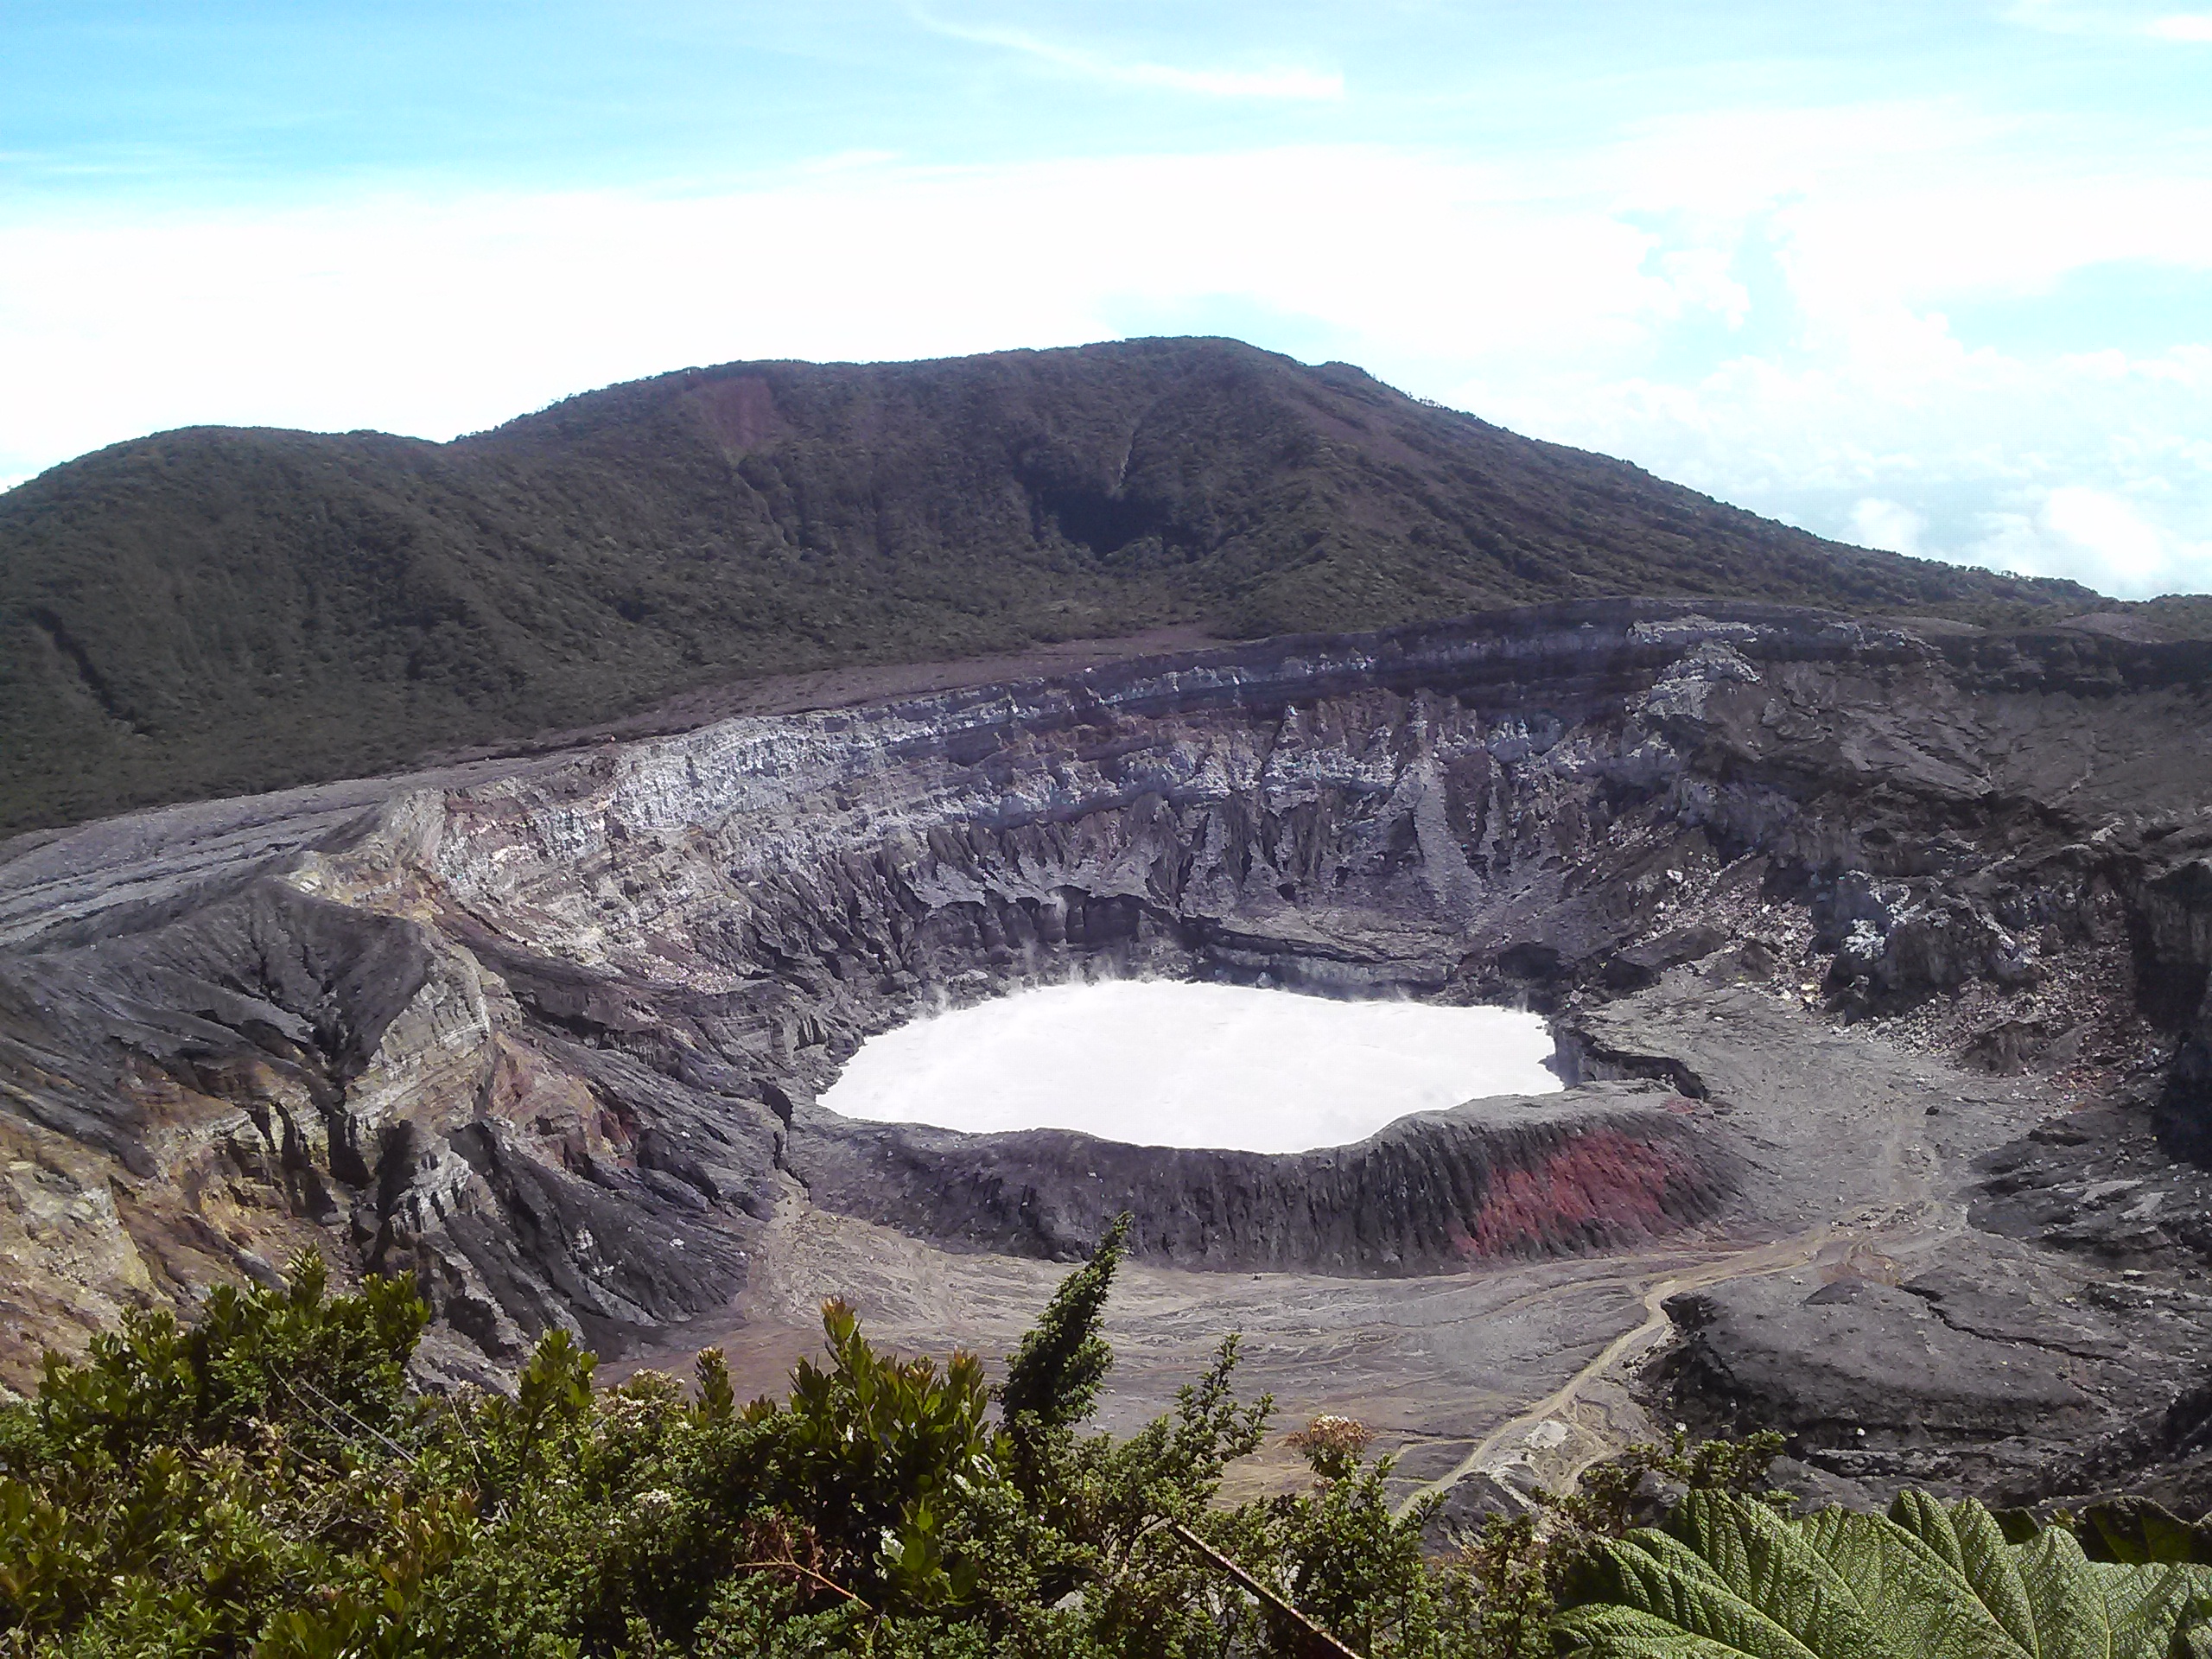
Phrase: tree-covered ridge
x=219 y=611
x=268 y=1483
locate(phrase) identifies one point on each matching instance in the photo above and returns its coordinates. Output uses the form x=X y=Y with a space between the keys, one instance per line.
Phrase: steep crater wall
x=550 y=1038
x=1431 y=1193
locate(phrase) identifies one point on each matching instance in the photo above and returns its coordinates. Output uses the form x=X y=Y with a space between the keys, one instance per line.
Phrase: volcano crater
x=550 y=1033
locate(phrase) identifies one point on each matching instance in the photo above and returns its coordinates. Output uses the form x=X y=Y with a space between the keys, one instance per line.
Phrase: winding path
x=1905 y=1215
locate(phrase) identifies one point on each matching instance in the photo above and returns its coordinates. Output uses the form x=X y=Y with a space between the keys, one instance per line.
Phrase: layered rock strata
x=1595 y=1171
x=549 y=1034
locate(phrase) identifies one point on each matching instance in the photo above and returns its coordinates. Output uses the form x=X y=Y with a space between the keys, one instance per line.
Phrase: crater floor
x=1518 y=1371
x=1876 y=955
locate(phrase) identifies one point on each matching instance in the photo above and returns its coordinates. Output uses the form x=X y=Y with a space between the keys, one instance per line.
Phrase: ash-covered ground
x=1879 y=955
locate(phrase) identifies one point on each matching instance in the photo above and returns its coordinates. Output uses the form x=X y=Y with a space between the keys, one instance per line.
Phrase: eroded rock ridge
x=550 y=1034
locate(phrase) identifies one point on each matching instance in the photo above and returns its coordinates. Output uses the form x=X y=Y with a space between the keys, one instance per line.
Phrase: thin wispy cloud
x=1829 y=382
x=845 y=160
x=1963 y=318
x=1282 y=82
x=2075 y=17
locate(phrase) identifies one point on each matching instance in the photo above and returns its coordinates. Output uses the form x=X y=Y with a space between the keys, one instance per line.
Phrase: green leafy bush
x=1930 y=1581
x=269 y=1484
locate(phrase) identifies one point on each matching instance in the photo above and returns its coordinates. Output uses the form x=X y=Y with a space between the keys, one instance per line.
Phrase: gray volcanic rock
x=549 y=1034
x=1901 y=940
x=1639 y=965
x=2098 y=1183
x=1549 y=1175
x=2017 y=1376
x=1856 y=1357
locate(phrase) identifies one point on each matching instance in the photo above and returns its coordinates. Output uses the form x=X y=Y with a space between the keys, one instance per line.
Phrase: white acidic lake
x=1160 y=1062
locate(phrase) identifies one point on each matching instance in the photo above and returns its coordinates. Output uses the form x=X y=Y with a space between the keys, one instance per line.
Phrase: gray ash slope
x=214 y=611
x=549 y=1032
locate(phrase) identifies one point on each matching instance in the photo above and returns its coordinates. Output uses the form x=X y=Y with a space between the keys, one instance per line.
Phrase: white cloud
x=437 y=317
x=1757 y=304
x=2077 y=17
x=1273 y=82
x=2108 y=527
x=2094 y=535
x=2098 y=467
x=1886 y=524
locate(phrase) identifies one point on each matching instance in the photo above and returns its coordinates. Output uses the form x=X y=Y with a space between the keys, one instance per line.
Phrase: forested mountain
x=215 y=611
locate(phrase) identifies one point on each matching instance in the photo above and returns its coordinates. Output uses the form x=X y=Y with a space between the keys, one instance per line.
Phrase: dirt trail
x=1518 y=1368
x=1522 y=1436
x=1551 y=1442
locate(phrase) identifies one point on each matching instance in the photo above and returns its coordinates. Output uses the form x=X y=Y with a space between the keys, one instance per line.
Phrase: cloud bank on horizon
x=1930 y=277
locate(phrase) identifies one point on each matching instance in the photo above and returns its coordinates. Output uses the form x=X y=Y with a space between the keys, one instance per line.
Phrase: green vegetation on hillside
x=212 y=611
x=268 y=1483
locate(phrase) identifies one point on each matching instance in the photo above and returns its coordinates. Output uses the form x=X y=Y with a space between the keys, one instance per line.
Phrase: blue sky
x=1935 y=276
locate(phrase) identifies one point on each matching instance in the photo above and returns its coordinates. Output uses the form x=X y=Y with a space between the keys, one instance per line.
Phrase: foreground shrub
x=1928 y=1581
x=268 y=1484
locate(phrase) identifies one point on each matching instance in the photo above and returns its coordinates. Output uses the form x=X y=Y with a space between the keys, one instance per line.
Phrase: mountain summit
x=215 y=611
